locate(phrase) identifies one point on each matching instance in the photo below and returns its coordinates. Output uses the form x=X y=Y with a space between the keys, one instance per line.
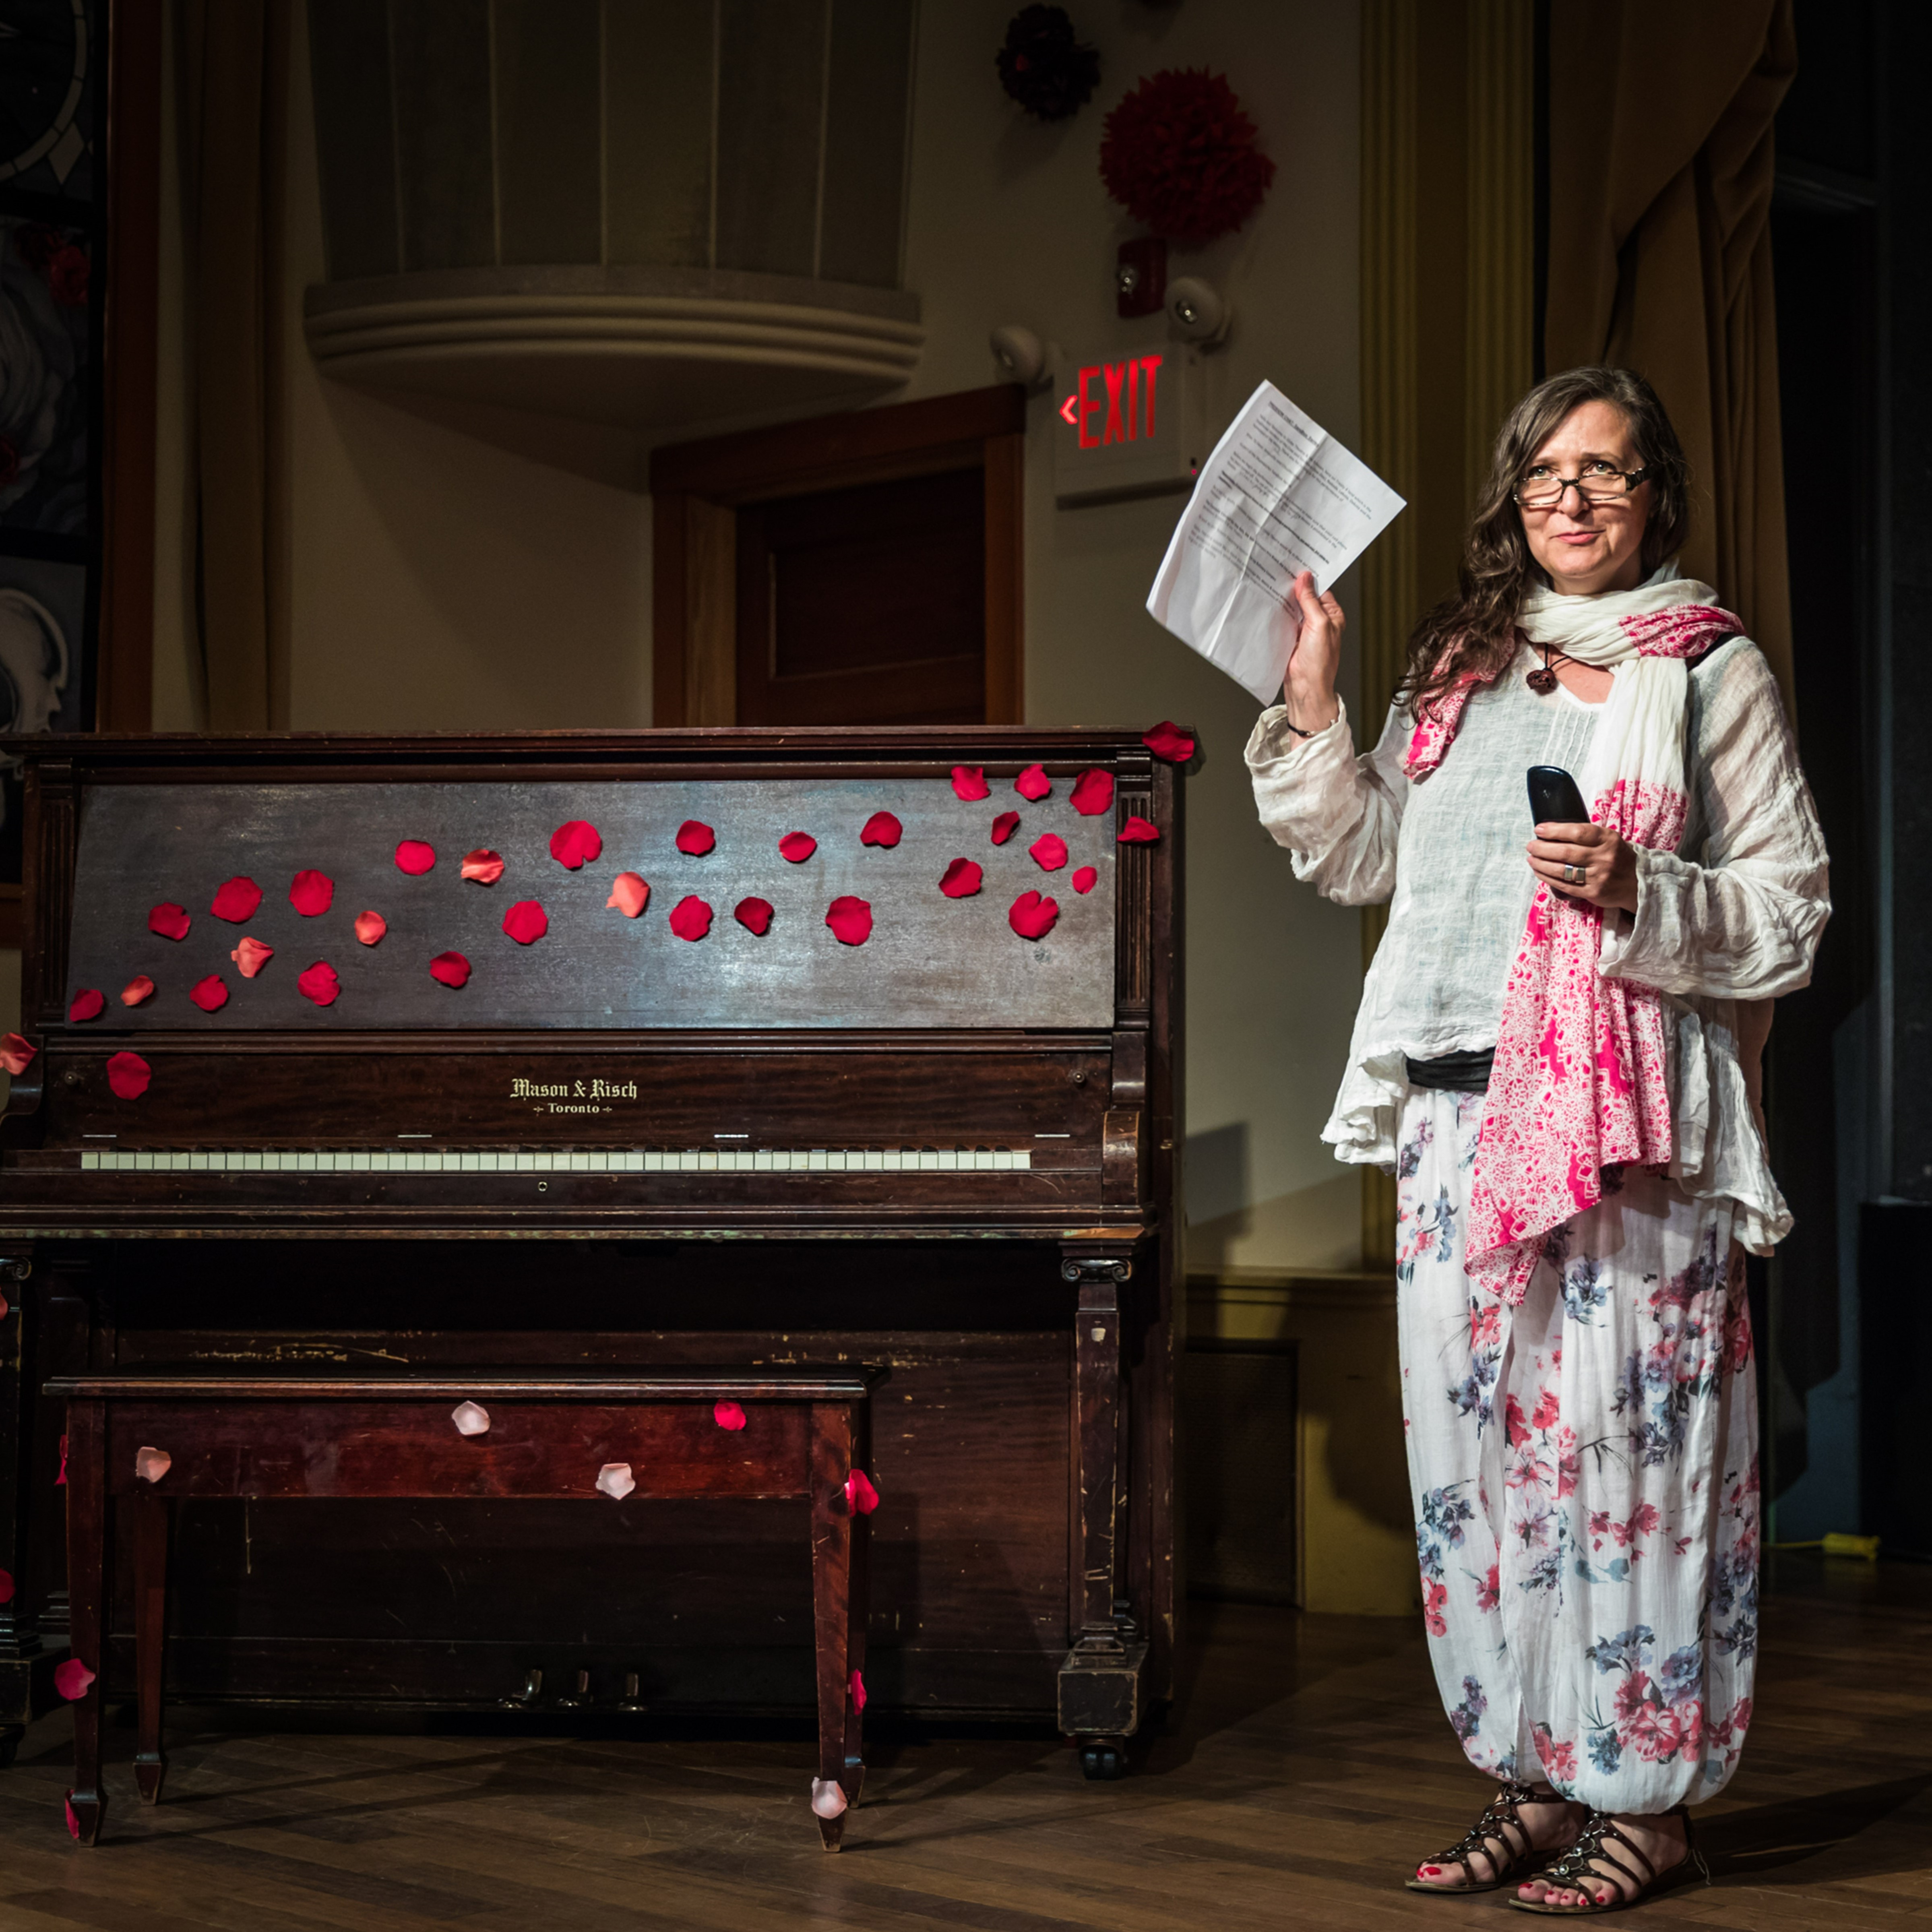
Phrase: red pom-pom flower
x=1179 y=155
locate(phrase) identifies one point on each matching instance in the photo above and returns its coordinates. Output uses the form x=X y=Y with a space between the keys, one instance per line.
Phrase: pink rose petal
x=1004 y=827
x=629 y=893
x=960 y=880
x=858 y=1688
x=485 y=867
x=138 y=991
x=828 y=1798
x=251 y=956
x=850 y=919
x=71 y=1678
x=6 y=1587
x=575 y=842
x=1093 y=793
x=1137 y=832
x=128 y=1075
x=616 y=1480
x=797 y=847
x=527 y=921
x=1168 y=741
x=861 y=1498
x=210 y=994
x=318 y=984
x=236 y=900
x=1032 y=917
x=414 y=856
x=16 y=1054
x=753 y=915
x=1033 y=783
x=168 y=920
x=73 y=1822
x=882 y=829
x=727 y=1415
x=471 y=1418
x=370 y=928
x=312 y=893
x=1086 y=879
x=451 y=968
x=151 y=1465
x=691 y=918
x=88 y=1004
x=1048 y=852
x=969 y=782
x=695 y=837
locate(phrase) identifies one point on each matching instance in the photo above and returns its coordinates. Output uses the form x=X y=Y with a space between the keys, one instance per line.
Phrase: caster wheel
x=1103 y=1762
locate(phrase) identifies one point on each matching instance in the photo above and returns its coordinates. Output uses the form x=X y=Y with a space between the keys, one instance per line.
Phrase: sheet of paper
x=1278 y=496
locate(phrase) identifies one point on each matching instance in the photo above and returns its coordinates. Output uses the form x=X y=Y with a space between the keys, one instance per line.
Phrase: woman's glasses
x=1543 y=489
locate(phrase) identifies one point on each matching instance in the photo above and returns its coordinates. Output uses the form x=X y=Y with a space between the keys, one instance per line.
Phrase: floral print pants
x=1585 y=1471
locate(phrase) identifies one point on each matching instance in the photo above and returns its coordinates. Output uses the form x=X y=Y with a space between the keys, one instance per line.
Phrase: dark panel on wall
x=349 y=55
x=866 y=141
x=1237 y=1414
x=658 y=88
x=771 y=98
x=549 y=162
x=441 y=50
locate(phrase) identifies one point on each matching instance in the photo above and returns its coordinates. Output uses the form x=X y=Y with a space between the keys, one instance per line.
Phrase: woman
x=1556 y=1054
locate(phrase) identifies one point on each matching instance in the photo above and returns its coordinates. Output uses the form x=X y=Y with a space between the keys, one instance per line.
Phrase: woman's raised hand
x=1310 y=688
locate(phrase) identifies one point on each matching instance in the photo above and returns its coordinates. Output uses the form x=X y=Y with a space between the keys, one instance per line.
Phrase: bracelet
x=1294 y=727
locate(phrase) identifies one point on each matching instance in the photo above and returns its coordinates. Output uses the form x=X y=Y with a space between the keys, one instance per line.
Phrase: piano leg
x=151 y=1521
x=87 y=1559
x=839 y=1722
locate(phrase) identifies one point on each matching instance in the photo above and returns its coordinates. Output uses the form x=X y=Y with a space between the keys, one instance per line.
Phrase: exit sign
x=1129 y=425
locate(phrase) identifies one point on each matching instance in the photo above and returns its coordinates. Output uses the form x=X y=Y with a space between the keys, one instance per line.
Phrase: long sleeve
x=1337 y=815
x=1740 y=918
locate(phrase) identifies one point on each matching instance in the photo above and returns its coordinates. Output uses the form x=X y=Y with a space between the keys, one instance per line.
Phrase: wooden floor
x=1311 y=1766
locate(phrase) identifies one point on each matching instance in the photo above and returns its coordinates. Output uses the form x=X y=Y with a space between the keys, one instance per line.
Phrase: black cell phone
x=1554 y=799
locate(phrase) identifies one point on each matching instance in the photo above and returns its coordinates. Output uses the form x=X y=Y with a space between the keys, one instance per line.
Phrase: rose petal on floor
x=471 y=1418
x=828 y=1799
x=861 y=1498
x=71 y=1678
x=414 y=857
x=1033 y=783
x=17 y=1053
x=138 y=991
x=1085 y=879
x=151 y=1464
x=615 y=1479
x=727 y=1415
x=1168 y=742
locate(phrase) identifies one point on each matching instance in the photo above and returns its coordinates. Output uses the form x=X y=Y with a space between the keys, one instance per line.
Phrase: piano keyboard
x=452 y=1160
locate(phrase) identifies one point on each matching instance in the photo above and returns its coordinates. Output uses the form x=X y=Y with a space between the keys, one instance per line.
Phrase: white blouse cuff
x=1275 y=738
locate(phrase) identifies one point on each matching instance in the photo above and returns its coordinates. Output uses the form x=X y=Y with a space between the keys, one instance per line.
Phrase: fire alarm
x=1140 y=278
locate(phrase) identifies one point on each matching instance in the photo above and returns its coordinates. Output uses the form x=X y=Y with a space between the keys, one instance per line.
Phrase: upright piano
x=563 y=1047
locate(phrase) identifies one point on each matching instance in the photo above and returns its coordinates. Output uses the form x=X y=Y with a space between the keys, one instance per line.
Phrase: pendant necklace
x=1543 y=679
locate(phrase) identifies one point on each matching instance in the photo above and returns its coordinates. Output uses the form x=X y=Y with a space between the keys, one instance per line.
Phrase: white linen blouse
x=1732 y=916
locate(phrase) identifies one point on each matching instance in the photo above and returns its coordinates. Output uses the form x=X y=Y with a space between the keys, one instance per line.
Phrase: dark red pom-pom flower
x=1179 y=155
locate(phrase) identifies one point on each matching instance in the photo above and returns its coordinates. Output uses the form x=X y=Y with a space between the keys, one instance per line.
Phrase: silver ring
x=1574 y=875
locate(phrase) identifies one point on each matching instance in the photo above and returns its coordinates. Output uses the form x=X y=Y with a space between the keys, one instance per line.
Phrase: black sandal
x=1575 y=1871
x=1488 y=1837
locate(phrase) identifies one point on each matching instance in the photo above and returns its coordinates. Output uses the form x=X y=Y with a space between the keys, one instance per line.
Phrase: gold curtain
x=232 y=59
x=1661 y=178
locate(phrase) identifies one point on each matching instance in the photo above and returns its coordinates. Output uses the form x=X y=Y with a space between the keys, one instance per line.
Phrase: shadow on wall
x=1320 y=1225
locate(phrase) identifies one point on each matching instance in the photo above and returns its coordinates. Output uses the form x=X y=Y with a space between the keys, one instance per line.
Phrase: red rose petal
x=236 y=900
x=369 y=927
x=485 y=867
x=1093 y=793
x=451 y=968
x=1004 y=827
x=16 y=1054
x=1167 y=740
x=168 y=920
x=210 y=994
x=850 y=919
x=858 y=1687
x=797 y=847
x=960 y=880
x=6 y=1587
x=695 y=837
x=861 y=1498
x=415 y=857
x=1137 y=832
x=1086 y=879
x=73 y=1822
x=753 y=915
x=527 y=921
x=319 y=983
x=71 y=1678
x=727 y=1415
x=251 y=956
x=128 y=1075
x=574 y=842
x=881 y=829
x=1033 y=783
x=629 y=893
x=1048 y=852
x=1032 y=917
x=691 y=918
x=138 y=991
x=88 y=1004
x=969 y=782
x=312 y=893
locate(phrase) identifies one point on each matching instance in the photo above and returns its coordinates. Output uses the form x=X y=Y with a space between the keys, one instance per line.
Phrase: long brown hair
x=1475 y=630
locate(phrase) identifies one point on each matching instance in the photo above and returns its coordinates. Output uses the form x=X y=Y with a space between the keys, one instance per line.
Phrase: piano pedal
x=630 y=1701
x=533 y=1690
x=580 y=1697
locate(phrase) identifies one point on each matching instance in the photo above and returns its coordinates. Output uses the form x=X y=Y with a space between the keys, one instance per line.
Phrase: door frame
x=696 y=489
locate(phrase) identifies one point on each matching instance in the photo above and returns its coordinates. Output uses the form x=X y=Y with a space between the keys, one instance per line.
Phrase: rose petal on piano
x=695 y=837
x=691 y=918
x=369 y=927
x=828 y=1800
x=1033 y=783
x=727 y=1415
x=1168 y=742
x=73 y=1822
x=128 y=1075
x=414 y=857
x=574 y=841
x=1137 y=832
x=151 y=1464
x=483 y=866
x=753 y=915
x=1032 y=917
x=168 y=920
x=235 y=900
x=1086 y=879
x=319 y=983
x=312 y=893
x=1004 y=827
x=797 y=847
x=1093 y=793
x=16 y=1054
x=251 y=955
x=850 y=919
x=88 y=1004
x=630 y=893
x=1048 y=852
x=858 y=1689
x=882 y=829
x=861 y=1498
x=72 y=1678
x=471 y=1418
x=960 y=880
x=6 y=1587
x=138 y=991
x=451 y=968
x=210 y=994
x=527 y=921
x=616 y=1480
x=969 y=782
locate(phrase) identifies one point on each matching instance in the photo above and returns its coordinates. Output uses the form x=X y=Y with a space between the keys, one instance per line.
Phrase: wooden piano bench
x=149 y=1439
